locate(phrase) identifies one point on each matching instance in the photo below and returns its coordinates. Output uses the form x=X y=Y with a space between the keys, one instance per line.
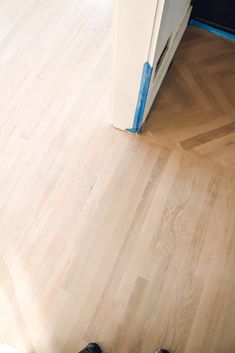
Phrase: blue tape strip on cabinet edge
x=142 y=99
x=211 y=29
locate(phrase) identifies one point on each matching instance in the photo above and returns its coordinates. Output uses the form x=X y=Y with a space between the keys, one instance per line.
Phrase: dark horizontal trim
x=211 y=29
x=213 y=24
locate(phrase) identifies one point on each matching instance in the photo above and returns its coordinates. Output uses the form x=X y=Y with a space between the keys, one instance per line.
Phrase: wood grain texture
x=105 y=236
x=195 y=109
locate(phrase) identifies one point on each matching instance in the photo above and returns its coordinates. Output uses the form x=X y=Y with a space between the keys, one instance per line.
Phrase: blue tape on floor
x=211 y=29
x=142 y=99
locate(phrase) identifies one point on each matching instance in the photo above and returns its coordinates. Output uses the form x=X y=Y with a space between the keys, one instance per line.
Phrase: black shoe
x=162 y=351
x=93 y=348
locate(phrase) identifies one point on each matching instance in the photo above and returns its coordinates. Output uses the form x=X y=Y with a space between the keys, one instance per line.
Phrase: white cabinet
x=146 y=35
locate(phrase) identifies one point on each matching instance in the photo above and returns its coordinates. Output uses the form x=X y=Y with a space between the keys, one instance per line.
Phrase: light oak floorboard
x=105 y=236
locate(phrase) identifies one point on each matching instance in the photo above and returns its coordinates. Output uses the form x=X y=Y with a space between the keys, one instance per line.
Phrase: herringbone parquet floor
x=195 y=108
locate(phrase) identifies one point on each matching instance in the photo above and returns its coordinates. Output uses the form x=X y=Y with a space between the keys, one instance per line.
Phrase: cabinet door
x=146 y=35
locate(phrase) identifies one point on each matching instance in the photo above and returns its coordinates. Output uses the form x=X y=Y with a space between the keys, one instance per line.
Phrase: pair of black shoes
x=95 y=348
x=92 y=348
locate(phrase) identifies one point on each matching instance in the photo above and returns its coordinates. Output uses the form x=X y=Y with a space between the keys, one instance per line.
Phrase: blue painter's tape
x=214 y=30
x=142 y=99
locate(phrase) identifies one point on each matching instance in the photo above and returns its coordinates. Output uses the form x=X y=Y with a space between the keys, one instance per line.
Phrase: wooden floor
x=195 y=109
x=109 y=237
